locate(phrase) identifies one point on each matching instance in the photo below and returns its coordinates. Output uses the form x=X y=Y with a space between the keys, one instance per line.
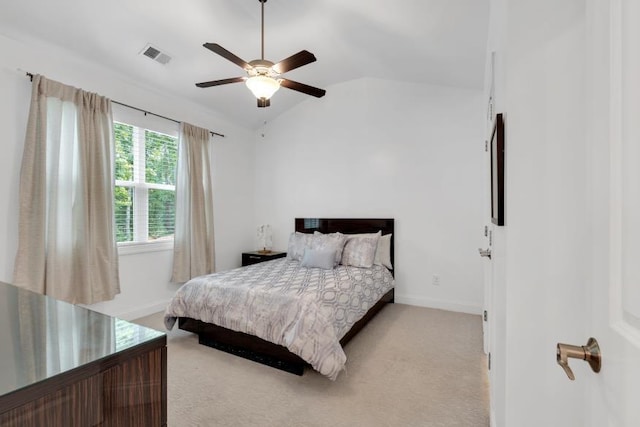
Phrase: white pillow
x=318 y=258
x=383 y=252
x=360 y=249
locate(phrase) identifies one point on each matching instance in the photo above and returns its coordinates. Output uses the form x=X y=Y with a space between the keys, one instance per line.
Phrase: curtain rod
x=30 y=75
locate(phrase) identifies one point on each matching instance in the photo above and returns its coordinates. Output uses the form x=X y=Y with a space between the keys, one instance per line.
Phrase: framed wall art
x=497 y=171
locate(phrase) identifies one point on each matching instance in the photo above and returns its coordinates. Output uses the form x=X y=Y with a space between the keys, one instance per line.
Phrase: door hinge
x=485 y=315
x=486 y=146
x=490 y=237
x=489 y=360
x=486 y=230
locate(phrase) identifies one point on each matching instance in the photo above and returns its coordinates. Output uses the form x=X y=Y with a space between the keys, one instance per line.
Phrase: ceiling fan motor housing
x=262 y=67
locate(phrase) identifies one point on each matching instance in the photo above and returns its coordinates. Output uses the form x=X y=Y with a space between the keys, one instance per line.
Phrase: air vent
x=156 y=54
x=151 y=52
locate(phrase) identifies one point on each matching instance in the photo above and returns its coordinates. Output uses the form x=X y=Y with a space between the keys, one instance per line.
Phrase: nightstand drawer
x=255 y=257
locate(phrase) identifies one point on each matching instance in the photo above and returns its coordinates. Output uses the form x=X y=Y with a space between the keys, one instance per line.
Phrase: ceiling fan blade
x=301 y=87
x=297 y=60
x=221 y=82
x=216 y=48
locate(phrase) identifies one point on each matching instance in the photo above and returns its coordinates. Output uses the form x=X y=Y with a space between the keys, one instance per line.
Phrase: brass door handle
x=485 y=252
x=589 y=353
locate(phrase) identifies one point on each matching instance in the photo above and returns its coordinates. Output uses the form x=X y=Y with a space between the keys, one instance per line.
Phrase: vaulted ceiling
x=420 y=41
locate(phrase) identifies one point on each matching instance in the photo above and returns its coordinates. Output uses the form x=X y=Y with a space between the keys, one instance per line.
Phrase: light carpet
x=410 y=366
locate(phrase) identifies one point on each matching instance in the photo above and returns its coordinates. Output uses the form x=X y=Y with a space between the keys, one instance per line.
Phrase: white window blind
x=145 y=170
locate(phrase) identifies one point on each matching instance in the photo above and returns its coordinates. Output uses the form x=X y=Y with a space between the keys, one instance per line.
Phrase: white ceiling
x=421 y=41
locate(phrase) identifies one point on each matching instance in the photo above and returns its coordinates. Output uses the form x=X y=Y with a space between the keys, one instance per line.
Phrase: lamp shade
x=265 y=237
x=263 y=86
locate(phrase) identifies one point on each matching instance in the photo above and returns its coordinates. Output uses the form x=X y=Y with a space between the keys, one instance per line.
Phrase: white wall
x=542 y=262
x=144 y=277
x=376 y=148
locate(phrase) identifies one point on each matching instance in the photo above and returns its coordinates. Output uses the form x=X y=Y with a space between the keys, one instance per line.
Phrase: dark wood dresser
x=64 y=365
x=255 y=257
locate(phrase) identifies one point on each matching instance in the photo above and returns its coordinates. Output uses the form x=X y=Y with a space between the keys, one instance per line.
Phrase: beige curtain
x=67 y=246
x=193 y=251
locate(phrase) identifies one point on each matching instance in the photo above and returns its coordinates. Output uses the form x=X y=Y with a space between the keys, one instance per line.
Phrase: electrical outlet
x=436 y=280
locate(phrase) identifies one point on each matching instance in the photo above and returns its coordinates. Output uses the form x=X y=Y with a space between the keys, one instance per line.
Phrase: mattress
x=306 y=310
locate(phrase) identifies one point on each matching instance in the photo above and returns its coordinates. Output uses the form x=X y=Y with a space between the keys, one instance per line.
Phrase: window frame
x=140 y=244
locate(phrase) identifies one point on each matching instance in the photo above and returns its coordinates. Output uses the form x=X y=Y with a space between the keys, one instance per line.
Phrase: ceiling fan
x=264 y=77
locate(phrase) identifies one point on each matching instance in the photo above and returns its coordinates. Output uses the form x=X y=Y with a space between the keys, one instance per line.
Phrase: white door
x=485 y=253
x=486 y=264
x=614 y=38
x=487 y=242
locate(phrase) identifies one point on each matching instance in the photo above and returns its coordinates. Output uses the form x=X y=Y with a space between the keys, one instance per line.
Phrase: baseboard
x=461 y=307
x=143 y=311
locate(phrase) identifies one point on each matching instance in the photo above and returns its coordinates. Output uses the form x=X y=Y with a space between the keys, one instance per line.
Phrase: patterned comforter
x=306 y=310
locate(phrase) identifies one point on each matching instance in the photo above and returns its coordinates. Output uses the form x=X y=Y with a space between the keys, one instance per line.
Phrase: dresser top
x=41 y=337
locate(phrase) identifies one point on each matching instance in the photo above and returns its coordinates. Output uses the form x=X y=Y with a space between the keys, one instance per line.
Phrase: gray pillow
x=320 y=258
x=332 y=241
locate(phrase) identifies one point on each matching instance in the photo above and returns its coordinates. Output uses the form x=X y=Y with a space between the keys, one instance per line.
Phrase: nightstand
x=255 y=257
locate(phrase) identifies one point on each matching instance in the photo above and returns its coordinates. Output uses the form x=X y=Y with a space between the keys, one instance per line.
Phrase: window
x=145 y=192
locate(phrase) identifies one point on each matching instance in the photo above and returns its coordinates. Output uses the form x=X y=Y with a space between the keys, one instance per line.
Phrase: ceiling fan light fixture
x=263 y=86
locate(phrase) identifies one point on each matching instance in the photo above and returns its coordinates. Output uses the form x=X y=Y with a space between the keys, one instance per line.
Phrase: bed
x=288 y=289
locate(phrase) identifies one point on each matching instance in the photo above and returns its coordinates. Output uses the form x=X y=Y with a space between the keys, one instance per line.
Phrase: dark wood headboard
x=349 y=226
